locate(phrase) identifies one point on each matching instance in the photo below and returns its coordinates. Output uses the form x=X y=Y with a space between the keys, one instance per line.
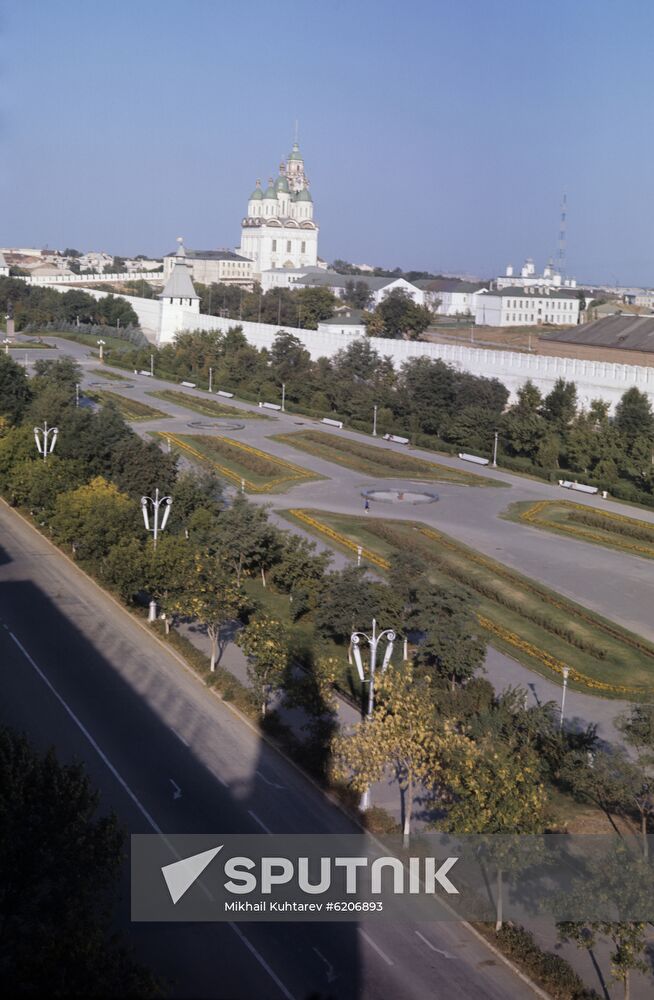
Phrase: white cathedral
x=278 y=230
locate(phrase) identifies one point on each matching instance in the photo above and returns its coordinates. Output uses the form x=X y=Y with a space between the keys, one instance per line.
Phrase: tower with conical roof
x=279 y=229
x=178 y=298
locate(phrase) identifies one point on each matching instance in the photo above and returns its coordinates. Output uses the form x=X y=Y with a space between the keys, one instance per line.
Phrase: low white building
x=95 y=260
x=451 y=296
x=379 y=287
x=347 y=322
x=208 y=266
x=4 y=267
x=286 y=277
x=142 y=264
x=530 y=306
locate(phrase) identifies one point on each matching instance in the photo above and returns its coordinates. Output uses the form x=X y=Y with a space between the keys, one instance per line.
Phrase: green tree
x=123 y=568
x=92 y=517
x=401 y=317
x=60 y=869
x=139 y=467
x=349 y=602
x=523 y=426
x=300 y=572
x=212 y=597
x=169 y=572
x=633 y=416
x=314 y=305
x=450 y=647
x=15 y=392
x=245 y=539
x=289 y=358
x=265 y=643
x=357 y=294
x=560 y=405
x=637 y=727
x=37 y=485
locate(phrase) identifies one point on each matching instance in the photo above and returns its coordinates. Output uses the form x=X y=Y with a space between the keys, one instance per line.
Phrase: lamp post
x=283 y=397
x=77 y=394
x=374 y=421
x=495 y=448
x=152 y=364
x=566 y=674
x=153 y=504
x=373 y=641
x=46 y=439
x=210 y=378
x=101 y=344
x=6 y=342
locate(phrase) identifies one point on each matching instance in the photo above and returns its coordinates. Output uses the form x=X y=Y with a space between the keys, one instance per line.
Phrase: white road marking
x=222 y=781
x=180 y=738
x=144 y=812
x=268 y=782
x=382 y=954
x=177 y=791
x=331 y=975
x=433 y=947
x=260 y=822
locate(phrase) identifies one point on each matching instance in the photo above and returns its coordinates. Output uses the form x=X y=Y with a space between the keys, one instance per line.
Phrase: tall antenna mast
x=562 y=234
x=296 y=130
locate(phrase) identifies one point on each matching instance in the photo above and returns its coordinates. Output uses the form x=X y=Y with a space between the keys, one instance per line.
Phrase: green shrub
x=550 y=971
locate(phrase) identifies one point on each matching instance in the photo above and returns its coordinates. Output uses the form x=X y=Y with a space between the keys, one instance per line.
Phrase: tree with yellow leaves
x=494 y=790
x=265 y=643
x=401 y=737
x=212 y=596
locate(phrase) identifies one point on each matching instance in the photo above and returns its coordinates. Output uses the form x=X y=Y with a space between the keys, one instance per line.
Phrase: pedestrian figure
x=366 y=506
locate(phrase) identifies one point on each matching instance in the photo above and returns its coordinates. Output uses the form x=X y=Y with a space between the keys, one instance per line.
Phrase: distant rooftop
x=211 y=255
x=535 y=292
x=628 y=333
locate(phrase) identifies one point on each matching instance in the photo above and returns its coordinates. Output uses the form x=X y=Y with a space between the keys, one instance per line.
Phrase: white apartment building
x=530 y=306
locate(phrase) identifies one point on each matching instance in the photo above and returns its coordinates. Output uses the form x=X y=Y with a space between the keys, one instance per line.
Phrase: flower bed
x=253 y=470
x=525 y=649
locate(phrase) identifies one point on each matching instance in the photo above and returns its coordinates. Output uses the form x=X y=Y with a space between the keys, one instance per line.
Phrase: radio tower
x=562 y=234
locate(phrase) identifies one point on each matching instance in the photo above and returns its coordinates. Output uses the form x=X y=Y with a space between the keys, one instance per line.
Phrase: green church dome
x=295 y=152
x=270 y=192
x=303 y=195
x=281 y=184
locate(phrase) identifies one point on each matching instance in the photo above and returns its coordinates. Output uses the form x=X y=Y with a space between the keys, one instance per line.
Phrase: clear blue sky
x=437 y=134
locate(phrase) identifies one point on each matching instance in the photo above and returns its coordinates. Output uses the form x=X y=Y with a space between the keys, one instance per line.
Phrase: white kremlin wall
x=593 y=378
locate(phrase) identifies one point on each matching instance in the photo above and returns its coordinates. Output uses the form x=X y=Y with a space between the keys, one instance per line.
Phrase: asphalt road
x=77 y=672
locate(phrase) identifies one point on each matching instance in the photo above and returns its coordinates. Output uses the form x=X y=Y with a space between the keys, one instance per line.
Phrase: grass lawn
x=108 y=374
x=130 y=409
x=244 y=465
x=209 y=407
x=111 y=343
x=535 y=625
x=374 y=461
x=601 y=527
x=31 y=345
